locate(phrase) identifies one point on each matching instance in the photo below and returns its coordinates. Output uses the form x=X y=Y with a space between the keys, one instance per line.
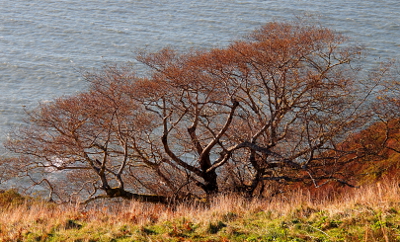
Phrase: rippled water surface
x=44 y=42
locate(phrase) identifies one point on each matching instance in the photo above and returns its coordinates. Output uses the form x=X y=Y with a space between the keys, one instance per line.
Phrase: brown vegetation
x=370 y=213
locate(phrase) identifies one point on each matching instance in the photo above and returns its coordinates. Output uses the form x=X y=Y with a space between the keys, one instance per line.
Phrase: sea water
x=44 y=43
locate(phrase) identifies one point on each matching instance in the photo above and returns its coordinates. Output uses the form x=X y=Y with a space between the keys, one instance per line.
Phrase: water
x=44 y=42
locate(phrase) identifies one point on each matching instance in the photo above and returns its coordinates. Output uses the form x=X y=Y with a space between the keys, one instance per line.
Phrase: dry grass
x=370 y=213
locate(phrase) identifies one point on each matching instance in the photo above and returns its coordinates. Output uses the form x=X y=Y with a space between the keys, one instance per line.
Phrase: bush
x=11 y=198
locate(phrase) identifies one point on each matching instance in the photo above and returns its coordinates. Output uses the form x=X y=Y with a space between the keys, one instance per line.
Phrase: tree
x=87 y=134
x=264 y=109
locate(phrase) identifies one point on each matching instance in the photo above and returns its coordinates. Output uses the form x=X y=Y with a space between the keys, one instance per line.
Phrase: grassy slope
x=367 y=214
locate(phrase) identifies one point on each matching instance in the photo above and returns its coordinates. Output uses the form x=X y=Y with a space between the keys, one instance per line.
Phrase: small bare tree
x=90 y=134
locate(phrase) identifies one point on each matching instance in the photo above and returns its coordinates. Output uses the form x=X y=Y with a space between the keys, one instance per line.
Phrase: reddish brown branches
x=265 y=108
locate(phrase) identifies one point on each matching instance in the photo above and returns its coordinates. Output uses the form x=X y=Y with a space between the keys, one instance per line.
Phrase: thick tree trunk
x=210 y=183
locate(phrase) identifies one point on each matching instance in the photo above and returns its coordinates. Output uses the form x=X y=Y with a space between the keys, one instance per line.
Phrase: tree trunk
x=119 y=192
x=210 y=182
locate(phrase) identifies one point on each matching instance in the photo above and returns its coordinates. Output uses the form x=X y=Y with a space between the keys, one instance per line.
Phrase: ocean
x=44 y=43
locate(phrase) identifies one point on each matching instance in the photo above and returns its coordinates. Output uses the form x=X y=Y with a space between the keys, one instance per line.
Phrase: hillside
x=370 y=213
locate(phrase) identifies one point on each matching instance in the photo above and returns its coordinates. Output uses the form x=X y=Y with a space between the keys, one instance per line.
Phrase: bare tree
x=265 y=108
x=278 y=100
x=90 y=134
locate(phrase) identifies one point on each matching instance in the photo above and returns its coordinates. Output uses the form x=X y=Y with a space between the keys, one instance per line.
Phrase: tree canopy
x=270 y=108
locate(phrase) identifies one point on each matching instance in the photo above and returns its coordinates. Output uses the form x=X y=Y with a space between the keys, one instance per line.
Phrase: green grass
x=368 y=214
